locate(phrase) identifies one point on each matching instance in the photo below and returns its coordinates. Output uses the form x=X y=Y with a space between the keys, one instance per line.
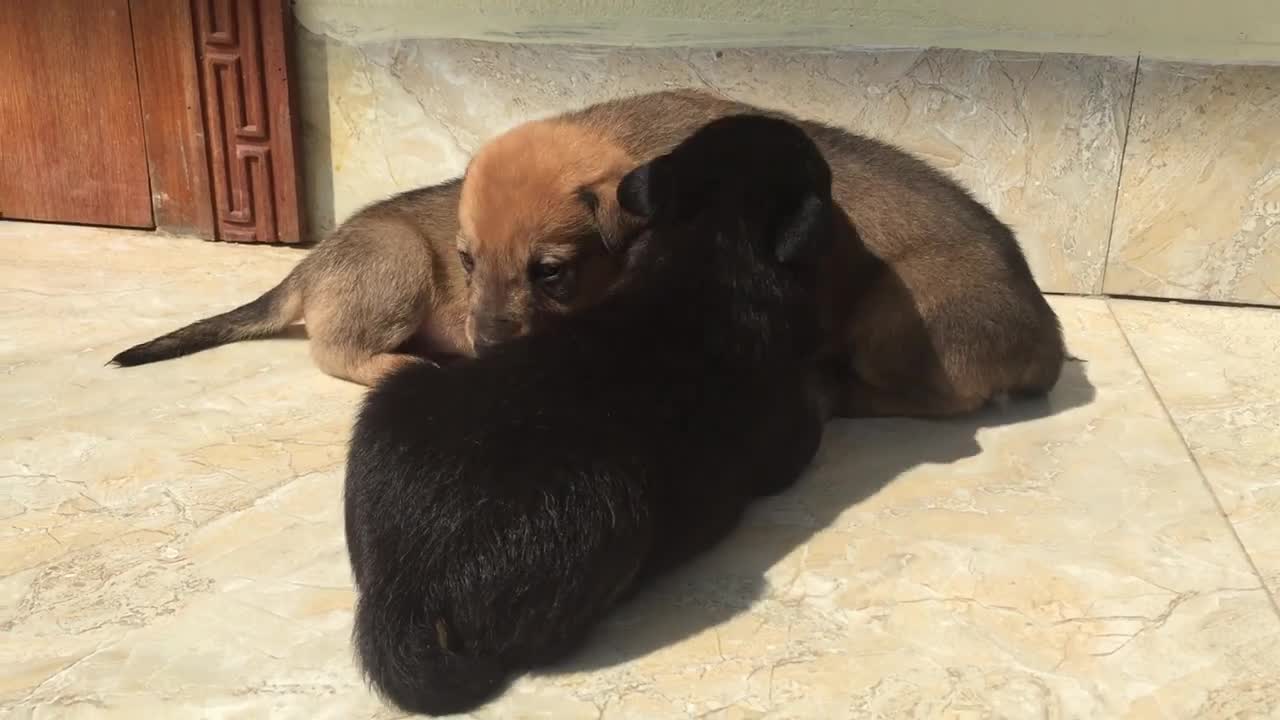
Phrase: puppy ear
x=614 y=226
x=804 y=235
x=634 y=192
x=647 y=191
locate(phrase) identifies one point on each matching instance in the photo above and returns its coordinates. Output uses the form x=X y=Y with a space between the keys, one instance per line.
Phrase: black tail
x=277 y=309
x=410 y=664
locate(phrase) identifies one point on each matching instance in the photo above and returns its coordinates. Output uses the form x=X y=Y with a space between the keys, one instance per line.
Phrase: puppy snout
x=490 y=332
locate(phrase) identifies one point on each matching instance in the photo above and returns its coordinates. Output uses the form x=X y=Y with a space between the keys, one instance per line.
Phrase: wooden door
x=169 y=114
x=71 y=139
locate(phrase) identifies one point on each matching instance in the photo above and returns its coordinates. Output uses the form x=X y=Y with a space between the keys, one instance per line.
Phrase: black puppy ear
x=645 y=191
x=804 y=234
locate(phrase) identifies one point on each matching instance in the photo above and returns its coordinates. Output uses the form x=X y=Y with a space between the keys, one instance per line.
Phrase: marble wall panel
x=1199 y=202
x=1037 y=137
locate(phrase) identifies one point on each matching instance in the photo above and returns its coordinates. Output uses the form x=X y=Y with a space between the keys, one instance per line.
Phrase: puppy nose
x=492 y=332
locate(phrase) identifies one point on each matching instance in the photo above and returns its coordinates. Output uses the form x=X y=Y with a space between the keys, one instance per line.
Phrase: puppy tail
x=278 y=308
x=413 y=665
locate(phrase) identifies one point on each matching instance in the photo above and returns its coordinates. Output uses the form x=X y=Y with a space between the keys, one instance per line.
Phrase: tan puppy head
x=541 y=234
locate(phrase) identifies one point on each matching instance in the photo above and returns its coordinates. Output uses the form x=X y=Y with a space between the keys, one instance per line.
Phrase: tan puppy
x=388 y=286
x=383 y=289
x=931 y=306
x=555 y=246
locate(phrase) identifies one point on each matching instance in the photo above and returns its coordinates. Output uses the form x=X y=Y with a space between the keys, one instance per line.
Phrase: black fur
x=497 y=508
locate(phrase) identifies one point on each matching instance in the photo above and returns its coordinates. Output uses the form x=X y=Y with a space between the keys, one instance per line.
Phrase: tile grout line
x=1195 y=461
x=1124 y=152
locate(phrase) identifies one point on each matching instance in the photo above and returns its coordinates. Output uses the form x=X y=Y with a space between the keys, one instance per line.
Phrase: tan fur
x=931 y=308
x=383 y=289
x=929 y=301
x=539 y=174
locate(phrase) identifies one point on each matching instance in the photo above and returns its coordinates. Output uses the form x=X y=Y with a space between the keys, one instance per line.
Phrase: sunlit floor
x=172 y=544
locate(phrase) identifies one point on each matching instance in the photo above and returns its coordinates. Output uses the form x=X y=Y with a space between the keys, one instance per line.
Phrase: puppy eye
x=548 y=272
x=468 y=262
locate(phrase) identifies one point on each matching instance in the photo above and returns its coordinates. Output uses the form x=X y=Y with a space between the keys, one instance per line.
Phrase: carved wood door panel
x=243 y=51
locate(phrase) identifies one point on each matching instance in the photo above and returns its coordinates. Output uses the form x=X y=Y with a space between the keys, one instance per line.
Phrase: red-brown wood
x=243 y=50
x=172 y=116
x=71 y=140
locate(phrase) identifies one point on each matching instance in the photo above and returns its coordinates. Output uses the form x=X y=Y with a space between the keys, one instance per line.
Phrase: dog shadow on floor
x=857 y=459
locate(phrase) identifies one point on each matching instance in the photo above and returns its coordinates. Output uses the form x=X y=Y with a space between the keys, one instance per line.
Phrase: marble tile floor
x=171 y=537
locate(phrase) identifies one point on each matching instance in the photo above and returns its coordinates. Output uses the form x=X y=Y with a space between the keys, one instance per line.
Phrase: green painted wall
x=1211 y=30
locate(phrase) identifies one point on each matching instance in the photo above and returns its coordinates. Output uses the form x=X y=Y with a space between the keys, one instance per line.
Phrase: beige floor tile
x=1198 y=214
x=1217 y=369
x=172 y=542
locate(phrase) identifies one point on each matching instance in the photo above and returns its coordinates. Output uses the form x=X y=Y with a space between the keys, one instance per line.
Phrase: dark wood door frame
x=164 y=46
x=219 y=117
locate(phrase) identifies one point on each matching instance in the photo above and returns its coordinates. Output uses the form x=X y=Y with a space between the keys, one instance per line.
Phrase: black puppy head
x=767 y=169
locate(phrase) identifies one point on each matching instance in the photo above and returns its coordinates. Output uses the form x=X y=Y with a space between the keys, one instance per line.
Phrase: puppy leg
x=906 y=378
x=360 y=319
x=366 y=370
x=892 y=366
x=358 y=341
x=1041 y=364
x=936 y=354
x=857 y=398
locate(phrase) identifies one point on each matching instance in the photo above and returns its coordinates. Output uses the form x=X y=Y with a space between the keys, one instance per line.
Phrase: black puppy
x=496 y=509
